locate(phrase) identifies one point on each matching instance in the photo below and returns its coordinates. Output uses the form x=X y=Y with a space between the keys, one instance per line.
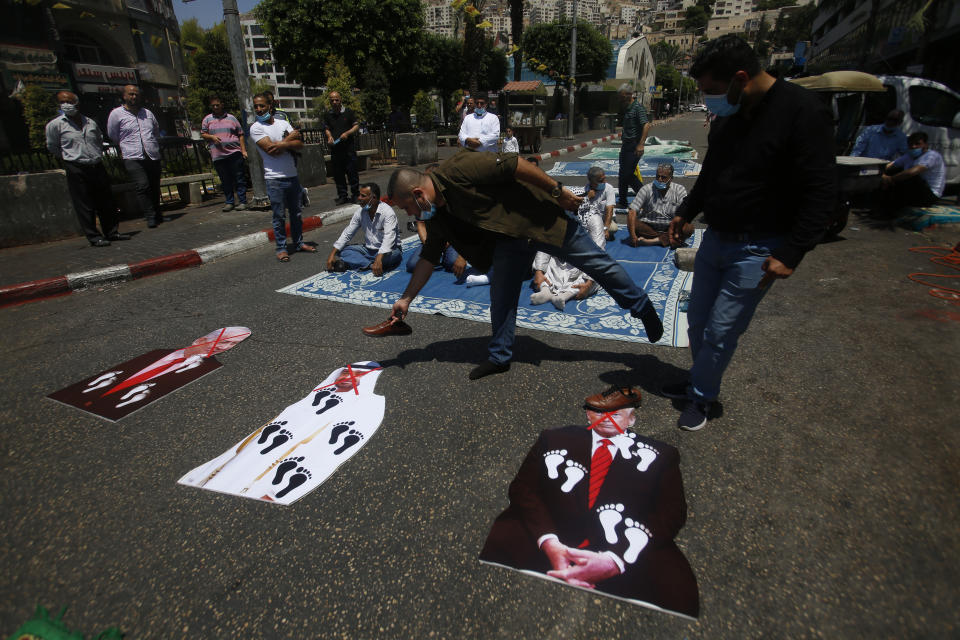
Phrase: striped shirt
x=228 y=129
x=633 y=121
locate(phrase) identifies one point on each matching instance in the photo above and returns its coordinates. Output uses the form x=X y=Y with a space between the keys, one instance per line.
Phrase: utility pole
x=573 y=69
x=231 y=18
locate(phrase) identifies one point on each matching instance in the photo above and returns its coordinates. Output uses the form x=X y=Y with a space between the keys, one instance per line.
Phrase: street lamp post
x=231 y=18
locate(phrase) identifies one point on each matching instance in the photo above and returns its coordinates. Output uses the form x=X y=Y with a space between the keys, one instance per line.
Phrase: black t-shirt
x=337 y=123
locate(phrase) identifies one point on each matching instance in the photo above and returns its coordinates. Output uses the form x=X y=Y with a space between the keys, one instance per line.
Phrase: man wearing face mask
x=497 y=210
x=656 y=205
x=636 y=126
x=767 y=190
x=380 y=251
x=916 y=178
x=481 y=130
x=136 y=130
x=885 y=141
x=76 y=140
x=275 y=140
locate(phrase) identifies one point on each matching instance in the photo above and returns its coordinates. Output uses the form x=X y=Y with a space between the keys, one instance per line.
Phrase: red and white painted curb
x=577 y=147
x=65 y=285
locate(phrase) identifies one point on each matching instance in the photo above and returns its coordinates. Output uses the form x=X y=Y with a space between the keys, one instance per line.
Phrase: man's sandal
x=283 y=256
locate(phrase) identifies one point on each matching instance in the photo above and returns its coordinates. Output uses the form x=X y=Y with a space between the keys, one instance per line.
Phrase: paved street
x=823 y=502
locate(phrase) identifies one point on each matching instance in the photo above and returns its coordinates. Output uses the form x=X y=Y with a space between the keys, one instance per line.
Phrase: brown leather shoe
x=389 y=327
x=614 y=399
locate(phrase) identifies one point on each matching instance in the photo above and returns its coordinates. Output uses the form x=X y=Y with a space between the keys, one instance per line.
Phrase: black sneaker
x=694 y=416
x=675 y=390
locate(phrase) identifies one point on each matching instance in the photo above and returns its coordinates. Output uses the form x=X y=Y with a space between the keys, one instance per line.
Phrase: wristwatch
x=557 y=190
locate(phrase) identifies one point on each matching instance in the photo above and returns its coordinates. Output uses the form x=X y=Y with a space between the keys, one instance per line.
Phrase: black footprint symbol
x=338 y=429
x=285 y=466
x=269 y=430
x=297 y=479
x=278 y=440
x=351 y=439
x=329 y=399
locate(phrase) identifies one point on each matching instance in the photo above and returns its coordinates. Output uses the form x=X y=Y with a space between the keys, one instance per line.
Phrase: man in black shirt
x=341 y=125
x=767 y=190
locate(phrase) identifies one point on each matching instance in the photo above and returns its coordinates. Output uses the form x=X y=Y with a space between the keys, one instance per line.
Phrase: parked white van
x=928 y=106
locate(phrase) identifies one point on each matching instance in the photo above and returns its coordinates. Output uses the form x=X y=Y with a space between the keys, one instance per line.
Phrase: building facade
x=293 y=98
x=93 y=48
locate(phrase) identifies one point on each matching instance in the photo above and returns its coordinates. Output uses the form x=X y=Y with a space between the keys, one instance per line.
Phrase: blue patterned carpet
x=596 y=317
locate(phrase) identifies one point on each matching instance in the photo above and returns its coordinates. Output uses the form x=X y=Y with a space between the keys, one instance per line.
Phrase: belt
x=744 y=236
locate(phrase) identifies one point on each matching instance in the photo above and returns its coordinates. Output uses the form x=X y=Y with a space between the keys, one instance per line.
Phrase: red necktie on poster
x=599 y=465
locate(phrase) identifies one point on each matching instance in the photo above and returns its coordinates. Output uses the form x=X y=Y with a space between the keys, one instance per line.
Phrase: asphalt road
x=823 y=502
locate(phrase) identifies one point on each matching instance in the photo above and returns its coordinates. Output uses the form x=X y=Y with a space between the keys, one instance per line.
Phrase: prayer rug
x=648 y=167
x=597 y=317
x=921 y=218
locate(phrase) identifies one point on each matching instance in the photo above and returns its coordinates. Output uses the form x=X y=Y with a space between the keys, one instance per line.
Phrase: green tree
x=213 y=75
x=375 y=96
x=664 y=52
x=762 y=42
x=696 y=17
x=305 y=34
x=424 y=110
x=39 y=107
x=549 y=44
x=260 y=85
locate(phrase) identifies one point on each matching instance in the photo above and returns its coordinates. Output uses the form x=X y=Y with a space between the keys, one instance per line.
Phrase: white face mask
x=69 y=109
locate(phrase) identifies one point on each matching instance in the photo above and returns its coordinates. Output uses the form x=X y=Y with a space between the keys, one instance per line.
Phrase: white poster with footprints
x=291 y=455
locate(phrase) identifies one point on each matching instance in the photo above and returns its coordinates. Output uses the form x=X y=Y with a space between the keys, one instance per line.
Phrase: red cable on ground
x=948 y=258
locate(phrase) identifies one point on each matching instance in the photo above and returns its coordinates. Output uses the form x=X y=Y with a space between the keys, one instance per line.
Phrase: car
x=697 y=107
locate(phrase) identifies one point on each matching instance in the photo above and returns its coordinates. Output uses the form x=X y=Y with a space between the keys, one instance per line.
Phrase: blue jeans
x=511 y=265
x=625 y=173
x=230 y=170
x=285 y=193
x=447 y=258
x=360 y=258
x=724 y=297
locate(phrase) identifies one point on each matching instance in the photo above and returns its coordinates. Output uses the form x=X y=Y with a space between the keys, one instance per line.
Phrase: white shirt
x=936 y=174
x=608 y=198
x=563 y=275
x=281 y=166
x=510 y=145
x=657 y=208
x=379 y=230
x=485 y=128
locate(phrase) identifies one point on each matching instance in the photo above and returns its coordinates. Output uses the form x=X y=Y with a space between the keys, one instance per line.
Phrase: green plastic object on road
x=42 y=627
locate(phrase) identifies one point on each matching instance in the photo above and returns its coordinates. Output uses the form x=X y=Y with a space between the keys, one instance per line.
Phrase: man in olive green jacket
x=498 y=210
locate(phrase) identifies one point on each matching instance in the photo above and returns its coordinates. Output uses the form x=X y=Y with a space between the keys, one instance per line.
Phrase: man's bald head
x=67 y=96
x=131 y=95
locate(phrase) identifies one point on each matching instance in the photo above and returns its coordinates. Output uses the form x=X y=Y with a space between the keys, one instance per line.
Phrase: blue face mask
x=264 y=119
x=426 y=214
x=718 y=105
x=598 y=189
x=916 y=153
x=660 y=185
x=479 y=112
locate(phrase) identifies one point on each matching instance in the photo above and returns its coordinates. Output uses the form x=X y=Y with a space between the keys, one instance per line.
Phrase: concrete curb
x=64 y=285
x=577 y=147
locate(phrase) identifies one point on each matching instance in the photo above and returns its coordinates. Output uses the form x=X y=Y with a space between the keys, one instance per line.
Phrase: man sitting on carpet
x=657 y=204
x=916 y=178
x=381 y=249
x=557 y=281
x=497 y=210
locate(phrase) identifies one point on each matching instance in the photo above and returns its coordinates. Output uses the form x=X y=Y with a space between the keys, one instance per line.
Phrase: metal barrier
x=382 y=141
x=178 y=157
